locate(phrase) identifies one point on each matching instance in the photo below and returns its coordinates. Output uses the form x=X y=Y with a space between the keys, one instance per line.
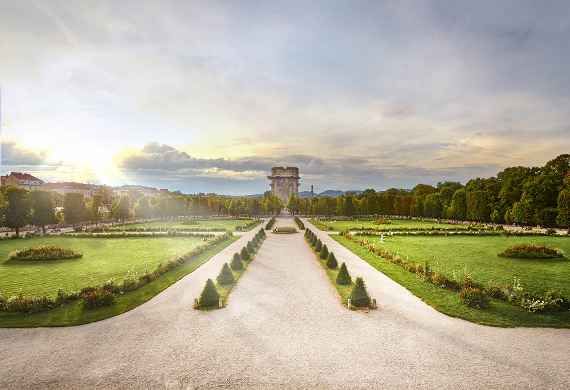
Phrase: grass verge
x=499 y=313
x=75 y=314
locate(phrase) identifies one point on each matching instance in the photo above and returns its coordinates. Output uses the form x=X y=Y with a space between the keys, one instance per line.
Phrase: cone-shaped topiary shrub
x=245 y=256
x=359 y=296
x=318 y=246
x=331 y=261
x=209 y=296
x=226 y=276
x=324 y=254
x=236 y=263
x=343 y=276
x=250 y=247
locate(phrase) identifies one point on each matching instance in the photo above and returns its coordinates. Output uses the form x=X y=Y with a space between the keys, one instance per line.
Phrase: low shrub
x=42 y=253
x=474 y=297
x=382 y=221
x=97 y=297
x=324 y=252
x=318 y=245
x=331 y=261
x=359 y=295
x=343 y=277
x=299 y=223
x=244 y=254
x=270 y=224
x=531 y=251
x=285 y=230
x=236 y=263
x=226 y=275
x=209 y=296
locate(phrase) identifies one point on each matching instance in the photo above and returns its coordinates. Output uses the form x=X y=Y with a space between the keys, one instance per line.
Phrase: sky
x=207 y=96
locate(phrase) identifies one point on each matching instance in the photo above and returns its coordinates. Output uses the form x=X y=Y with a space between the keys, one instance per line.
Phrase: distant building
x=284 y=182
x=21 y=180
x=87 y=190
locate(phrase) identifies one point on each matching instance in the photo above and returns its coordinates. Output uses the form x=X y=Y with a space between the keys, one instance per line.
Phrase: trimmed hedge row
x=359 y=297
x=98 y=296
x=299 y=223
x=211 y=298
x=143 y=234
x=470 y=291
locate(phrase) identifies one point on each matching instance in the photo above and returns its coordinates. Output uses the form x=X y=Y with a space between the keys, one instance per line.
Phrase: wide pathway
x=284 y=327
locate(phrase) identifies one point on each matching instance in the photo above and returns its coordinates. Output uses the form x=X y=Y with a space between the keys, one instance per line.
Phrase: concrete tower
x=284 y=182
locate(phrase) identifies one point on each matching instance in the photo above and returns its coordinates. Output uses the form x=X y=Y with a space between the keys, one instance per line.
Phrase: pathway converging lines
x=285 y=327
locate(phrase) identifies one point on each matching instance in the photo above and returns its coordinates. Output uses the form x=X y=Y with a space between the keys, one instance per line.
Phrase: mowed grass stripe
x=103 y=260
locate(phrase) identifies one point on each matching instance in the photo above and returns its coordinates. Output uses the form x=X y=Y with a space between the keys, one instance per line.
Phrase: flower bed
x=530 y=251
x=44 y=253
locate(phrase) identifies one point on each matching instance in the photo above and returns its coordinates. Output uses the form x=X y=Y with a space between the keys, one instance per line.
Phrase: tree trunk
x=17 y=232
x=44 y=229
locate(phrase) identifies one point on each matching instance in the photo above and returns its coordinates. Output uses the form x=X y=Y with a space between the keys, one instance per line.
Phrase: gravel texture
x=284 y=327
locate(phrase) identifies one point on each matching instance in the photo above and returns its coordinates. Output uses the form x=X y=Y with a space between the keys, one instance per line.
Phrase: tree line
x=20 y=207
x=521 y=195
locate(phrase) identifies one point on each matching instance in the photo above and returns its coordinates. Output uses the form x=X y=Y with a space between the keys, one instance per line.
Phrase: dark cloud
x=13 y=154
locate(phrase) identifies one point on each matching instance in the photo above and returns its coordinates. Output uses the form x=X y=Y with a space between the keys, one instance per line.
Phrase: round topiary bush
x=531 y=251
x=42 y=253
x=343 y=277
x=226 y=275
x=236 y=263
x=209 y=296
x=331 y=261
x=474 y=297
x=359 y=295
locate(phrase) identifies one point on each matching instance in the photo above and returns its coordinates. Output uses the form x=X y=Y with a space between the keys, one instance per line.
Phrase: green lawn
x=394 y=224
x=458 y=252
x=478 y=256
x=75 y=314
x=103 y=259
x=222 y=224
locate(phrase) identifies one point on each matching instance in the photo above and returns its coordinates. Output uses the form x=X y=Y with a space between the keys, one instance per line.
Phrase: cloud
x=17 y=155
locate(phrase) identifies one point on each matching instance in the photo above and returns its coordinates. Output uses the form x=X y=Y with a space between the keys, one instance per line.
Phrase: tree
x=343 y=276
x=143 y=208
x=349 y=209
x=331 y=261
x=359 y=295
x=478 y=206
x=96 y=204
x=121 y=208
x=42 y=209
x=209 y=296
x=236 y=263
x=293 y=204
x=73 y=208
x=563 y=218
x=17 y=209
x=226 y=276
x=459 y=204
x=433 y=207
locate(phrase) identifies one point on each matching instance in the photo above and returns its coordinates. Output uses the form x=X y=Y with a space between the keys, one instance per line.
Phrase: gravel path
x=284 y=327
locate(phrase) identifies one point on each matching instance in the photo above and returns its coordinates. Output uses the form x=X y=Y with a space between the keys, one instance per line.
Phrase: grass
x=479 y=257
x=498 y=314
x=75 y=314
x=394 y=224
x=221 y=224
x=103 y=260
